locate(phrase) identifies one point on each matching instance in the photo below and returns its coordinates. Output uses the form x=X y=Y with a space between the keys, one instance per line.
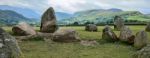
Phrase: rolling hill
x=29 y=13
x=62 y=15
x=103 y=16
x=97 y=16
x=24 y=11
x=8 y=17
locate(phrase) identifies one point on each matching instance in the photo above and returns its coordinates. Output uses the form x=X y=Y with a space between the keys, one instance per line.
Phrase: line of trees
x=110 y=22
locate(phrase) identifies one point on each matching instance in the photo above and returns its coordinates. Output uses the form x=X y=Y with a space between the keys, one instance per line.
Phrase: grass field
x=49 y=49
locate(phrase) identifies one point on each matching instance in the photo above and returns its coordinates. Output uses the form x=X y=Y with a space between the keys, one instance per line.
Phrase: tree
x=89 y=23
x=75 y=23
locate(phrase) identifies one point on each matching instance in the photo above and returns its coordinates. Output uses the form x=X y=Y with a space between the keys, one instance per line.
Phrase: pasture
x=50 y=49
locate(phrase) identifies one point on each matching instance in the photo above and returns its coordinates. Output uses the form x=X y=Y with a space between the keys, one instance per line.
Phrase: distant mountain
x=8 y=17
x=32 y=14
x=99 y=16
x=94 y=11
x=147 y=14
x=115 y=10
x=62 y=15
x=24 y=11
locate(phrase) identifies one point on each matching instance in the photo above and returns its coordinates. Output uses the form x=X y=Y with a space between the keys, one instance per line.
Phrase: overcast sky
x=71 y=6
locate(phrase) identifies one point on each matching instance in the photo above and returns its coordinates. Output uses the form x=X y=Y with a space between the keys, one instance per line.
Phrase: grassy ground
x=49 y=49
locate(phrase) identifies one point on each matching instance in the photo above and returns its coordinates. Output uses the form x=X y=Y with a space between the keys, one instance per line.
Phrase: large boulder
x=108 y=34
x=38 y=36
x=140 y=40
x=65 y=35
x=118 y=23
x=143 y=53
x=148 y=27
x=8 y=46
x=23 y=29
x=48 y=22
x=91 y=27
x=126 y=35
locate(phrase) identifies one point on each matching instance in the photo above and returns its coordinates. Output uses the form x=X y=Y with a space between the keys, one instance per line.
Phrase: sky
x=72 y=6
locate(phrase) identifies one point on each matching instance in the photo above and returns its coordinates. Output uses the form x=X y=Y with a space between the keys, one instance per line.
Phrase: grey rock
x=65 y=35
x=91 y=27
x=8 y=46
x=126 y=35
x=38 y=36
x=48 y=22
x=148 y=27
x=143 y=53
x=140 y=40
x=23 y=29
x=89 y=42
x=108 y=34
x=118 y=23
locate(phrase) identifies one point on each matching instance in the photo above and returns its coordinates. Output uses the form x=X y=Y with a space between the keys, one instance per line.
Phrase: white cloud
x=77 y=5
x=36 y=5
x=71 y=6
x=67 y=5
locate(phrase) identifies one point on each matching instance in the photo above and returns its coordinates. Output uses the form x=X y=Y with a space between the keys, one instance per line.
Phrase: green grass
x=49 y=49
x=138 y=17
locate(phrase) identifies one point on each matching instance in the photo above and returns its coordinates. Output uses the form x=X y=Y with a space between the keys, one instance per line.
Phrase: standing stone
x=91 y=27
x=65 y=35
x=148 y=27
x=143 y=53
x=118 y=23
x=23 y=29
x=140 y=40
x=126 y=35
x=108 y=34
x=8 y=46
x=48 y=22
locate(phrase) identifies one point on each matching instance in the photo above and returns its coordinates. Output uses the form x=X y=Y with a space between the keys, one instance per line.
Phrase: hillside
x=102 y=16
x=62 y=15
x=24 y=11
x=8 y=17
x=29 y=13
x=148 y=14
x=95 y=11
